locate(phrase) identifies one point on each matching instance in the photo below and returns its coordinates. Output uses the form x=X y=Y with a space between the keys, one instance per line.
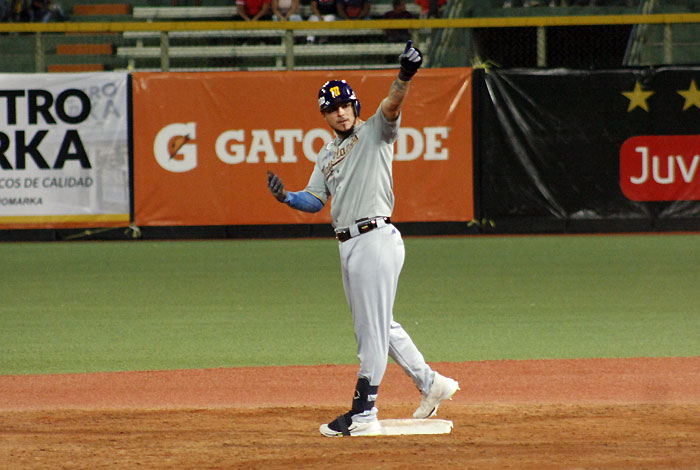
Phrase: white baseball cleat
x=349 y=424
x=442 y=389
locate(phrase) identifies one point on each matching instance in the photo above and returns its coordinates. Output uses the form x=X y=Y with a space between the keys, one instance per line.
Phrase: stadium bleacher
x=235 y=49
x=256 y=49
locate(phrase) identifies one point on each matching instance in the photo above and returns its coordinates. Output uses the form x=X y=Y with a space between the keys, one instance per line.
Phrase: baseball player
x=354 y=170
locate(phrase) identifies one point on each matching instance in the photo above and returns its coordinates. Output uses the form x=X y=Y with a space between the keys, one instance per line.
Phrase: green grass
x=108 y=306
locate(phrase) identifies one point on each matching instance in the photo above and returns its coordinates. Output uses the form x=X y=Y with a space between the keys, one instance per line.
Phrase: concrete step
x=54 y=68
x=85 y=49
x=101 y=9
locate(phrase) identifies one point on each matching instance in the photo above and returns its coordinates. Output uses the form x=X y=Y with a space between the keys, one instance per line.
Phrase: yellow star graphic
x=637 y=97
x=691 y=95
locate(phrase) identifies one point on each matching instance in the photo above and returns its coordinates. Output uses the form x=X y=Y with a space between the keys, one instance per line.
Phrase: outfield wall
x=202 y=158
x=588 y=150
x=64 y=158
x=185 y=154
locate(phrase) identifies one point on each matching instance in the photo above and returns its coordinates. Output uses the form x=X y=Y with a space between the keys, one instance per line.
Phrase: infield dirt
x=550 y=414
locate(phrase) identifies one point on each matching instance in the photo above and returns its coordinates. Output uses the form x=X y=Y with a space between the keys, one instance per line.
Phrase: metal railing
x=541 y=23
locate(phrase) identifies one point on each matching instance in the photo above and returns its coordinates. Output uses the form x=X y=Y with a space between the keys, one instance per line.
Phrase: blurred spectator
x=5 y=10
x=19 y=10
x=322 y=10
x=285 y=10
x=254 y=10
x=526 y=3
x=431 y=8
x=566 y=3
x=353 y=9
x=603 y=3
x=45 y=11
x=399 y=12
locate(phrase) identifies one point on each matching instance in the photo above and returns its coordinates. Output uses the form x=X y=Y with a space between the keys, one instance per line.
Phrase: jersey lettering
x=338 y=156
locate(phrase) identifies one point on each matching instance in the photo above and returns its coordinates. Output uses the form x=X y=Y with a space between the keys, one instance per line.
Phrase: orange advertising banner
x=203 y=143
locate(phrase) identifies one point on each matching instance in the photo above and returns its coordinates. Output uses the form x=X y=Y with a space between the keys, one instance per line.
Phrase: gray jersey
x=356 y=172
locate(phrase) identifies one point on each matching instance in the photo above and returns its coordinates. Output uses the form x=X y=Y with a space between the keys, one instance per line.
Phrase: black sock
x=365 y=396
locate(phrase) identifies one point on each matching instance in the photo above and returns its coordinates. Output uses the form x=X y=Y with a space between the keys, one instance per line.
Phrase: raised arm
x=274 y=4
x=340 y=9
x=264 y=10
x=365 y=11
x=314 y=10
x=410 y=61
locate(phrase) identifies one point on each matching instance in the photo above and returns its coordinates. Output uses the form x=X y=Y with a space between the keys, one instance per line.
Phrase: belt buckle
x=360 y=226
x=343 y=235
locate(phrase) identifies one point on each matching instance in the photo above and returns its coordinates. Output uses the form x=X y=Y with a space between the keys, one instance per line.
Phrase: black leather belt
x=362 y=226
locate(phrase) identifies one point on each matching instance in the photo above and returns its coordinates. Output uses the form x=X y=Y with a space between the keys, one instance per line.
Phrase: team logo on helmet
x=335 y=92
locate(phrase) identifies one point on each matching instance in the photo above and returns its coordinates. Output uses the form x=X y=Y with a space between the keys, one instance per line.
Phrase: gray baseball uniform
x=357 y=173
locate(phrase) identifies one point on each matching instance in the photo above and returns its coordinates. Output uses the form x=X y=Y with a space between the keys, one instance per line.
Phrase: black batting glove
x=410 y=60
x=276 y=186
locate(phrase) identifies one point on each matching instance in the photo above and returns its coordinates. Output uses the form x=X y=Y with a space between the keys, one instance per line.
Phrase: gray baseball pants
x=371 y=265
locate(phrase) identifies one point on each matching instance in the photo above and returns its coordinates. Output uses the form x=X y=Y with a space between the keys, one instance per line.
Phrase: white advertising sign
x=63 y=150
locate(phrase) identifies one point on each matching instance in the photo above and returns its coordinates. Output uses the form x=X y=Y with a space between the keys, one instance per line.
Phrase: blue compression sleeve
x=304 y=201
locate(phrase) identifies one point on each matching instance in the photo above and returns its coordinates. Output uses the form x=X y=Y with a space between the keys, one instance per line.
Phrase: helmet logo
x=336 y=92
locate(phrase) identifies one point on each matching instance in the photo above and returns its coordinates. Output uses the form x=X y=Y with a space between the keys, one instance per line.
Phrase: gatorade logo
x=177 y=147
